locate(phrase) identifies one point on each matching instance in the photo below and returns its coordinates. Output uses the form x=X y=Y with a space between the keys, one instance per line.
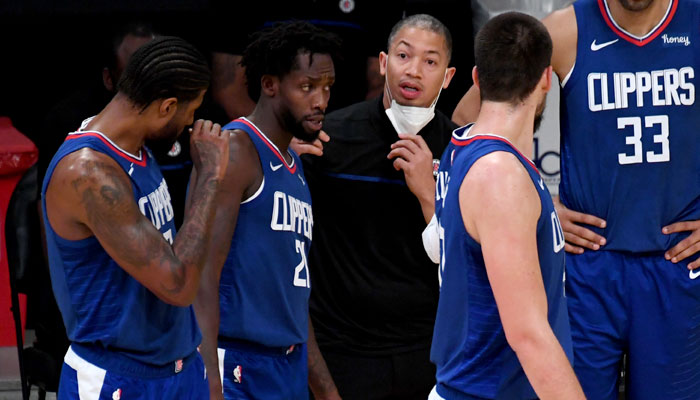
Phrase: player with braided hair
x=170 y=70
x=122 y=279
x=253 y=303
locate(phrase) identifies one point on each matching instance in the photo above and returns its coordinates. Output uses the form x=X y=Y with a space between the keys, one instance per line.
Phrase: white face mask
x=409 y=119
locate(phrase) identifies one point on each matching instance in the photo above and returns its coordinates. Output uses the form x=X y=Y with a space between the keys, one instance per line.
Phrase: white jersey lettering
x=291 y=215
x=620 y=90
x=157 y=205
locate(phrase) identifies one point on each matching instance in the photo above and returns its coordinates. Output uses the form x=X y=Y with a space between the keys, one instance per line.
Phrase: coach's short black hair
x=511 y=52
x=167 y=66
x=273 y=51
x=139 y=29
x=425 y=22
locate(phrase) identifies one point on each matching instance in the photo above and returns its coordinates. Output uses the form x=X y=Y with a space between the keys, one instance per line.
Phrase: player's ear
x=546 y=79
x=269 y=85
x=449 y=73
x=382 y=63
x=168 y=107
x=107 y=80
x=475 y=77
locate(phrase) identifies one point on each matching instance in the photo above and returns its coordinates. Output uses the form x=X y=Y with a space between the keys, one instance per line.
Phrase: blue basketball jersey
x=264 y=287
x=629 y=122
x=457 y=142
x=103 y=307
x=469 y=348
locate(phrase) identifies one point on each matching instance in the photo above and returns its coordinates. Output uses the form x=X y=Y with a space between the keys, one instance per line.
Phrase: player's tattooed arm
x=243 y=177
x=90 y=194
x=320 y=380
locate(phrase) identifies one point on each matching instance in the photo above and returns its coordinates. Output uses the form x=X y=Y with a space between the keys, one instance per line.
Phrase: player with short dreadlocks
x=253 y=304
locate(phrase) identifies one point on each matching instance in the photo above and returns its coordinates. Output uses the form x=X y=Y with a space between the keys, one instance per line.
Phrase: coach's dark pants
x=404 y=376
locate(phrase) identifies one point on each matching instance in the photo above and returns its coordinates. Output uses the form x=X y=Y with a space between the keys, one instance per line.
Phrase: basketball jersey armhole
x=582 y=12
x=49 y=228
x=260 y=158
x=257 y=192
x=571 y=71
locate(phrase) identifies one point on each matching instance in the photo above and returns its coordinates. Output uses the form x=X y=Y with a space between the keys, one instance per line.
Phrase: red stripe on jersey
x=267 y=142
x=632 y=39
x=485 y=137
x=117 y=150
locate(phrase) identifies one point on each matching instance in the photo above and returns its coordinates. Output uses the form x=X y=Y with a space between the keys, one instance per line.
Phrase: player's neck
x=119 y=121
x=638 y=23
x=269 y=122
x=515 y=123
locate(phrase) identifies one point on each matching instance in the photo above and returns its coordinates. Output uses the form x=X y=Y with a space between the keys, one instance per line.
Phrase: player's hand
x=577 y=237
x=686 y=247
x=412 y=156
x=209 y=147
x=315 y=147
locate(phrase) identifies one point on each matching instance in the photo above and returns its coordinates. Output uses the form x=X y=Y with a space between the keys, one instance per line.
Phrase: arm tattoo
x=103 y=191
x=106 y=195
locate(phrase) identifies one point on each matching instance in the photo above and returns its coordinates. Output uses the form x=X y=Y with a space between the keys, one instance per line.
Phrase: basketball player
x=432 y=235
x=502 y=328
x=628 y=190
x=122 y=279
x=254 y=296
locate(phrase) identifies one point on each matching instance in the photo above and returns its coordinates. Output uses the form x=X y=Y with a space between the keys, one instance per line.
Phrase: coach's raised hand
x=413 y=156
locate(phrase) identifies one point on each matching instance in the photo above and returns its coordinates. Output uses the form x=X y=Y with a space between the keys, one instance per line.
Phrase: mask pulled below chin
x=409 y=119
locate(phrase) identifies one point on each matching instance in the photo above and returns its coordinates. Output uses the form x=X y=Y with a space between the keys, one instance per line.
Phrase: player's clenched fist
x=209 y=147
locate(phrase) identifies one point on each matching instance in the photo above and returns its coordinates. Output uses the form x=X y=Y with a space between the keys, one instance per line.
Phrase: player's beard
x=296 y=127
x=635 y=5
x=165 y=141
x=539 y=114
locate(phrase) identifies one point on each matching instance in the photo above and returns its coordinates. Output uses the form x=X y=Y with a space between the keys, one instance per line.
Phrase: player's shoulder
x=88 y=162
x=240 y=140
x=563 y=29
x=243 y=154
x=498 y=174
x=561 y=16
x=499 y=164
x=499 y=179
x=561 y=24
x=80 y=175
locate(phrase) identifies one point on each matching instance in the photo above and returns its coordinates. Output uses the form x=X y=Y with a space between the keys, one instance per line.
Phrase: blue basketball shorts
x=82 y=379
x=252 y=371
x=644 y=306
